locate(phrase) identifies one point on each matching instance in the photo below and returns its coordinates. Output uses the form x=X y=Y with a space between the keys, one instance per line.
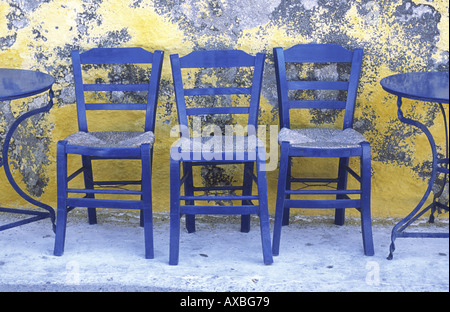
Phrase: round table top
x=20 y=83
x=424 y=86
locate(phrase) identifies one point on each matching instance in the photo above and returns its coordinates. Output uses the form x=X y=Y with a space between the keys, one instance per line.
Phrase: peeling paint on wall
x=397 y=36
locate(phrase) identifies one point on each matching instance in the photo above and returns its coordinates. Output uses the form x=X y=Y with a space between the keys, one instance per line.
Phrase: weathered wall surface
x=397 y=36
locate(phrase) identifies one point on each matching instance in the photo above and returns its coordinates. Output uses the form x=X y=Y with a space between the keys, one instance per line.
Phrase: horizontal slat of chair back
x=216 y=91
x=217 y=110
x=204 y=59
x=315 y=53
x=115 y=106
x=115 y=87
x=316 y=104
x=132 y=55
x=317 y=85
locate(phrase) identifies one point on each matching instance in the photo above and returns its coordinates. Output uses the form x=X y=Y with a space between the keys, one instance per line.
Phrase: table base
x=398 y=230
x=439 y=166
x=37 y=215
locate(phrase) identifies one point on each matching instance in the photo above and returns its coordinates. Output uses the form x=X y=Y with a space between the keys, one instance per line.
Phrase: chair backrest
x=317 y=53
x=113 y=56
x=203 y=60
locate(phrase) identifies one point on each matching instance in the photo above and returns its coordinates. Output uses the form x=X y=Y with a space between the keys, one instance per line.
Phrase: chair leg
x=339 y=214
x=89 y=184
x=141 y=217
x=366 y=221
x=286 y=212
x=60 y=232
x=264 y=212
x=190 y=223
x=248 y=184
x=174 y=212
x=141 y=211
x=189 y=191
x=61 y=217
x=280 y=210
x=146 y=167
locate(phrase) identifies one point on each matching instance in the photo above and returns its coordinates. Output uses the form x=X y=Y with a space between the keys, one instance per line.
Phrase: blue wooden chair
x=220 y=149
x=101 y=145
x=321 y=142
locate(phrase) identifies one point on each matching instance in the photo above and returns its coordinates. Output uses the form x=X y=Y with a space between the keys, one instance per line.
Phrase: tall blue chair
x=102 y=145
x=335 y=143
x=220 y=149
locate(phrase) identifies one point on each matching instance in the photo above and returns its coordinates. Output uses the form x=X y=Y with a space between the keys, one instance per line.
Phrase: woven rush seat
x=111 y=138
x=218 y=144
x=321 y=138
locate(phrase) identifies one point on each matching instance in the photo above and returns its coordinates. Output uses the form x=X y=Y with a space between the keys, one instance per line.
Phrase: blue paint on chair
x=321 y=143
x=98 y=146
x=190 y=151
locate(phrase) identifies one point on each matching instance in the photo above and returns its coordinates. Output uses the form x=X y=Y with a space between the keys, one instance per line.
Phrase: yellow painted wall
x=397 y=36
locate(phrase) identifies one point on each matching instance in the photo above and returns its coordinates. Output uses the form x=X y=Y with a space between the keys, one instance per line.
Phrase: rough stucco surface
x=397 y=36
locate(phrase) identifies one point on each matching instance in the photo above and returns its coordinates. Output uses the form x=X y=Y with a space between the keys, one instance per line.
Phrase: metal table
x=15 y=84
x=429 y=87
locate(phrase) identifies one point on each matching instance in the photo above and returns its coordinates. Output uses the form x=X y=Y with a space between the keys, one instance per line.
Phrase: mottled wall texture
x=396 y=35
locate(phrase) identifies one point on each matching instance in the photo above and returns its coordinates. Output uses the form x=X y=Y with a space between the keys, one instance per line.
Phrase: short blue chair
x=203 y=100
x=307 y=93
x=124 y=92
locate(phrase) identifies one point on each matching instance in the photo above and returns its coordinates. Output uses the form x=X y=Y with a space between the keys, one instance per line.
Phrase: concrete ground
x=315 y=256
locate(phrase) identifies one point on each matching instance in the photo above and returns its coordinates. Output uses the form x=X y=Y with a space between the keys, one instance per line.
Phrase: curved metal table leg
x=444 y=169
x=399 y=228
x=37 y=215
